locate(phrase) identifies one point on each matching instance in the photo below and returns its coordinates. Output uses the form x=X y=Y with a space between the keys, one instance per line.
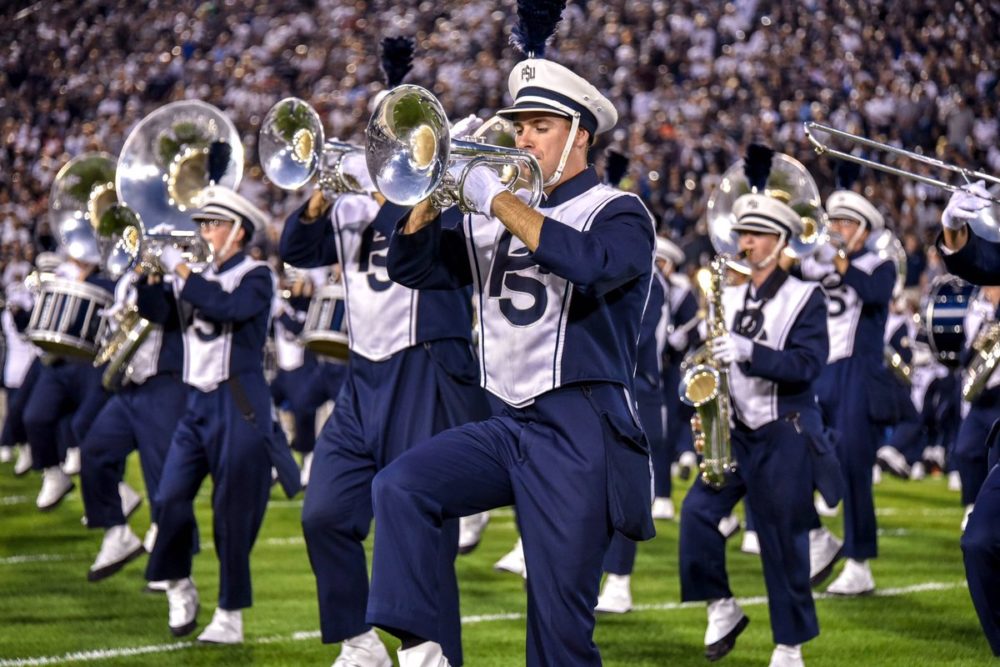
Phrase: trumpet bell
x=408 y=145
x=788 y=182
x=290 y=143
x=166 y=162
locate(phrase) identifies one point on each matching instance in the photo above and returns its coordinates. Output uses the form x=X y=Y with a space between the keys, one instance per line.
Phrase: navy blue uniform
x=558 y=345
x=141 y=416
x=411 y=374
x=777 y=432
x=979 y=262
x=296 y=368
x=68 y=389
x=683 y=308
x=226 y=430
x=858 y=306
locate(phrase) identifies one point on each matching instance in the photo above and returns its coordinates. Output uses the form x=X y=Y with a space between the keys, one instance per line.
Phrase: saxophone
x=705 y=387
x=987 y=355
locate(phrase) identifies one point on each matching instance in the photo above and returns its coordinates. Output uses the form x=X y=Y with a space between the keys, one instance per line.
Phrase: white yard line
x=13 y=500
x=113 y=653
x=39 y=558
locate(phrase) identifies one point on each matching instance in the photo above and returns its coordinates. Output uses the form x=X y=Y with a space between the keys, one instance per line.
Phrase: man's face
x=848 y=230
x=215 y=233
x=544 y=136
x=757 y=246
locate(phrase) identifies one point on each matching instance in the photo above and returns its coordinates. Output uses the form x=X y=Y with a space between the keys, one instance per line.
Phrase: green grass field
x=50 y=614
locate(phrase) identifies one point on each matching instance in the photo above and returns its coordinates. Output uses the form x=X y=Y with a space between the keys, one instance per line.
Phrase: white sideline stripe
x=13 y=500
x=110 y=653
x=39 y=558
x=926 y=511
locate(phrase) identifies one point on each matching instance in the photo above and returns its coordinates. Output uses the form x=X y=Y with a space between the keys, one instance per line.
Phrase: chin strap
x=766 y=262
x=557 y=174
x=223 y=253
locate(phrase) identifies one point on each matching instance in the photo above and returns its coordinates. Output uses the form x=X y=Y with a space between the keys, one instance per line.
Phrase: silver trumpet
x=412 y=156
x=293 y=150
x=985 y=225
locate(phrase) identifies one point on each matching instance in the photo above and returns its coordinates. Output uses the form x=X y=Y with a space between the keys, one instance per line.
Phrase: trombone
x=969 y=175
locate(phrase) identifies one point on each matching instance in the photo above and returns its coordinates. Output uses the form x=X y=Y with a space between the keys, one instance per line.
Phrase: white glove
x=169 y=258
x=465 y=127
x=356 y=166
x=678 y=338
x=731 y=348
x=481 y=185
x=965 y=205
x=825 y=253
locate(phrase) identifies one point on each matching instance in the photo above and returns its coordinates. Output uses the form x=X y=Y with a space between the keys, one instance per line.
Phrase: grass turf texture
x=49 y=610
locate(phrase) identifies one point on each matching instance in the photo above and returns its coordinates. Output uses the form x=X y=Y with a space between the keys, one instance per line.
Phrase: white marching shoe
x=824 y=552
x=856 y=579
x=23 y=463
x=6 y=454
x=823 y=509
x=687 y=463
x=954 y=481
x=307 y=466
x=726 y=621
x=616 y=596
x=149 y=539
x=876 y=474
x=965 y=516
x=918 y=471
x=729 y=525
x=428 y=654
x=182 y=599
x=893 y=461
x=130 y=499
x=55 y=485
x=71 y=464
x=663 y=508
x=120 y=546
x=365 y=650
x=787 y=656
x=751 y=543
x=226 y=628
x=513 y=561
x=470 y=531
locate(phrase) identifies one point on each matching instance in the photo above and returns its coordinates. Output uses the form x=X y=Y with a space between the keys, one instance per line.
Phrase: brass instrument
x=705 y=387
x=987 y=355
x=986 y=224
x=129 y=331
x=412 y=156
x=293 y=150
x=895 y=362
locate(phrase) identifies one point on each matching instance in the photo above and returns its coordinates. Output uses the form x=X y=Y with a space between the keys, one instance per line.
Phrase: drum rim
x=76 y=288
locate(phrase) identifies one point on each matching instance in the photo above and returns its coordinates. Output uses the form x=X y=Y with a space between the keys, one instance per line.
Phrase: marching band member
x=227 y=430
x=564 y=292
x=296 y=365
x=776 y=344
x=411 y=374
x=66 y=388
x=142 y=416
x=858 y=285
x=977 y=260
x=21 y=366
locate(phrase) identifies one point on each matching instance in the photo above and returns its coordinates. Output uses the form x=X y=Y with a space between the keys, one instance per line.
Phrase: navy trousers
x=775 y=474
x=561 y=462
x=289 y=391
x=678 y=438
x=141 y=417
x=843 y=397
x=384 y=408
x=620 y=558
x=65 y=390
x=214 y=438
x=13 y=426
x=981 y=549
x=971 y=449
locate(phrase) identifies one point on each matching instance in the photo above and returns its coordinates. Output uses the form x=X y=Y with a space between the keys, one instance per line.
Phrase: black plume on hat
x=617 y=166
x=757 y=165
x=397 y=59
x=847 y=173
x=536 y=23
x=219 y=153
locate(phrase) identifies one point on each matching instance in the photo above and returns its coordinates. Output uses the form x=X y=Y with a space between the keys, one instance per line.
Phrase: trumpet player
x=775 y=346
x=226 y=430
x=858 y=286
x=560 y=291
x=969 y=256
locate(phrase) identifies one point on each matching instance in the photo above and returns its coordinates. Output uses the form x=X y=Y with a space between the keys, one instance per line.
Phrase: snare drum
x=947 y=303
x=68 y=317
x=325 y=330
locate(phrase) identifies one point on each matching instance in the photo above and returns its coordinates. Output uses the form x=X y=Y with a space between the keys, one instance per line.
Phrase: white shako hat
x=669 y=251
x=220 y=203
x=538 y=84
x=760 y=213
x=847 y=204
